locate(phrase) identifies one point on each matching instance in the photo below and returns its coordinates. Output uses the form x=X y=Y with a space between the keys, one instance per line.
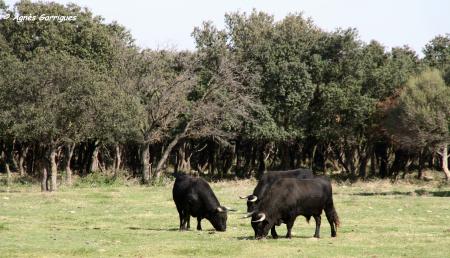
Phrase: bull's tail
x=332 y=214
x=335 y=217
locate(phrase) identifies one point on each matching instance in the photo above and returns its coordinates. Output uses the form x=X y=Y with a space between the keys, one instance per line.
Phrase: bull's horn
x=244 y=197
x=220 y=209
x=253 y=199
x=229 y=209
x=248 y=215
x=263 y=217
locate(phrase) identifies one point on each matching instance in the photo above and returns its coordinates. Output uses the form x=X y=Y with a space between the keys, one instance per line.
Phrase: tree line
x=78 y=97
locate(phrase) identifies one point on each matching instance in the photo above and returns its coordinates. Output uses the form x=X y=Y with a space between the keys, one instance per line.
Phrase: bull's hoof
x=288 y=236
x=316 y=236
x=275 y=236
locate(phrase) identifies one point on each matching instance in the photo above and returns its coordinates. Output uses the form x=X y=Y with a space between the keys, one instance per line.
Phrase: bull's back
x=185 y=187
x=271 y=177
x=289 y=193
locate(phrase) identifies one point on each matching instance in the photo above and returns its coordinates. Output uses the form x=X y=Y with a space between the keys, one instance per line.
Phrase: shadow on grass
x=271 y=238
x=153 y=229
x=210 y=231
x=420 y=192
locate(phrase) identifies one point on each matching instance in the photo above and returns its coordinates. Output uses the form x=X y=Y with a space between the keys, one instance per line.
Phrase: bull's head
x=218 y=217
x=251 y=202
x=260 y=225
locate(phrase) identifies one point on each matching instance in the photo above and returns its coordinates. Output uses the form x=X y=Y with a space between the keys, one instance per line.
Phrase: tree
x=9 y=76
x=162 y=88
x=420 y=118
x=54 y=103
x=437 y=55
x=217 y=103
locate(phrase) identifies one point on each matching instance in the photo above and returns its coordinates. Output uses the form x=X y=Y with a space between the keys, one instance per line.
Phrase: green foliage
x=62 y=82
x=270 y=83
x=87 y=37
x=161 y=86
x=421 y=117
x=98 y=179
x=276 y=54
x=54 y=98
x=437 y=55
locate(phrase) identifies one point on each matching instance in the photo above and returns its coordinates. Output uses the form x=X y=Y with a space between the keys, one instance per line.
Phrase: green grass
x=379 y=219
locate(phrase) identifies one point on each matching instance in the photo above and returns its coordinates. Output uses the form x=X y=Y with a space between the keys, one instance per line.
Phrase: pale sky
x=169 y=23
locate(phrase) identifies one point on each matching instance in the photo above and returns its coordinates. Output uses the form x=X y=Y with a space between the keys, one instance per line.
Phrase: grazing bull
x=267 y=180
x=194 y=197
x=288 y=198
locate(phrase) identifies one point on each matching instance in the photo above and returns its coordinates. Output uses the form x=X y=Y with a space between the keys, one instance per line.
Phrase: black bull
x=267 y=180
x=288 y=198
x=194 y=197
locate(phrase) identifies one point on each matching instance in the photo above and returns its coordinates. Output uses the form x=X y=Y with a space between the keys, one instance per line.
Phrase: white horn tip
x=253 y=199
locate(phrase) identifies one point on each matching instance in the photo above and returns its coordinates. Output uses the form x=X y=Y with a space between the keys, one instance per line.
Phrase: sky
x=169 y=23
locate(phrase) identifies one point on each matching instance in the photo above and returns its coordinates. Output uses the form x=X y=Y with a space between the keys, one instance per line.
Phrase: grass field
x=379 y=219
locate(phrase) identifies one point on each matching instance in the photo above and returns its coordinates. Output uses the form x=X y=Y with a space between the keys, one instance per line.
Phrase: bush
x=99 y=179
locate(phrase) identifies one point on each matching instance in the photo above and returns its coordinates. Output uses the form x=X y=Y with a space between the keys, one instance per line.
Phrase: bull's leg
x=289 y=225
x=199 y=223
x=318 y=219
x=273 y=232
x=188 y=222
x=180 y=213
x=186 y=217
x=330 y=218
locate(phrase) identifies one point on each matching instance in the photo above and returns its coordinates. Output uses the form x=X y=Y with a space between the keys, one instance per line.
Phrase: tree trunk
x=117 y=158
x=22 y=154
x=372 y=163
x=8 y=173
x=184 y=159
x=165 y=154
x=381 y=152
x=262 y=161
x=285 y=162
x=252 y=161
x=145 y=162
x=313 y=157
x=94 y=159
x=169 y=148
x=238 y=156
x=444 y=155
x=69 y=153
x=42 y=170
x=228 y=160
x=81 y=160
x=363 y=166
x=349 y=154
x=400 y=163
x=53 y=168
x=211 y=158
x=6 y=155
